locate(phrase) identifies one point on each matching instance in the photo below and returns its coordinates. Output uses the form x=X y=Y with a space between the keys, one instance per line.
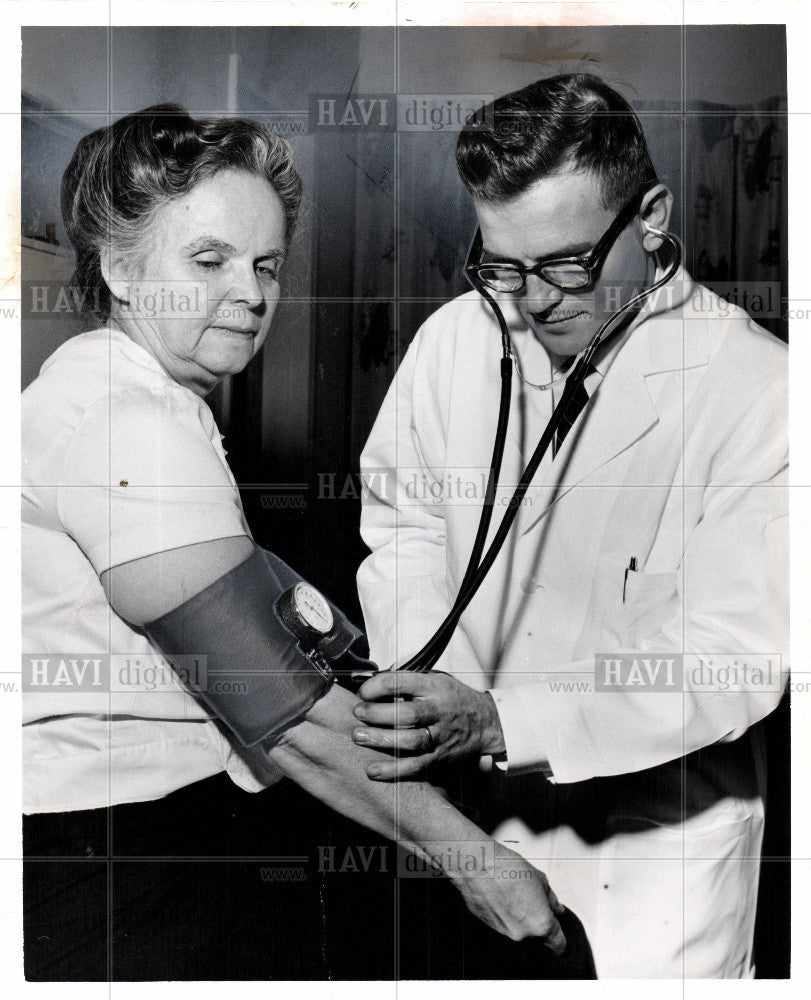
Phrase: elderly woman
x=129 y=509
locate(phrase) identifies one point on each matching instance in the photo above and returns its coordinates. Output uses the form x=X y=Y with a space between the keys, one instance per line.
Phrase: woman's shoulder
x=101 y=384
x=103 y=365
x=96 y=363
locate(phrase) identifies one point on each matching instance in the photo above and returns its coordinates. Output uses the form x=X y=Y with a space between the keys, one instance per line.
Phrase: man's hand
x=444 y=719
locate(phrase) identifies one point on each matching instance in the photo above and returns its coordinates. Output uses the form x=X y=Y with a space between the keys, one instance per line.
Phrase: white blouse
x=119 y=461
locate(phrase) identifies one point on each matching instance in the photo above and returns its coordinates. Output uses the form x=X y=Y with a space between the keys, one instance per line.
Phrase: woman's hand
x=444 y=719
x=515 y=900
x=504 y=891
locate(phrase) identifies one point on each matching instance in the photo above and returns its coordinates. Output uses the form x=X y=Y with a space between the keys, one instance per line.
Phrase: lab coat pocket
x=632 y=607
x=680 y=899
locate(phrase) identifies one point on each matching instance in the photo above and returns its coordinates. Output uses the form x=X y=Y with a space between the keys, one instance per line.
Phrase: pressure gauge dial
x=306 y=612
x=324 y=636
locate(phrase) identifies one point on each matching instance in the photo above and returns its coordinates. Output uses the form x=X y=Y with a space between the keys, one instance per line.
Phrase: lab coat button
x=529 y=584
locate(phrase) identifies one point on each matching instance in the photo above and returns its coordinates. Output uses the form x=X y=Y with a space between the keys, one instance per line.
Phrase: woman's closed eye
x=209 y=260
x=269 y=270
x=266 y=270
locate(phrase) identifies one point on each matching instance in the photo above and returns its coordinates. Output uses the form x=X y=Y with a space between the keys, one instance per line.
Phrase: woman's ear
x=654 y=213
x=117 y=274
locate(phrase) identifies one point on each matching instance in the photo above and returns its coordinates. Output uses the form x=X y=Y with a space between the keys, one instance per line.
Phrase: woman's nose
x=246 y=287
x=538 y=296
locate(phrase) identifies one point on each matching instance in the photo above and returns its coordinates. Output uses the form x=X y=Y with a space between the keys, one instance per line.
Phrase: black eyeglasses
x=567 y=273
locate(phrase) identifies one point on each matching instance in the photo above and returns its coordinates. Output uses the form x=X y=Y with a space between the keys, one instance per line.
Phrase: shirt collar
x=140 y=355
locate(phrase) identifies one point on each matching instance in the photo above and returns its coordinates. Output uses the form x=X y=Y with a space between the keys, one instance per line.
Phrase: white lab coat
x=644 y=807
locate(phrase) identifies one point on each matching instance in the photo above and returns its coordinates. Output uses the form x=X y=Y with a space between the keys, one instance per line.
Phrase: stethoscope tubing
x=478 y=564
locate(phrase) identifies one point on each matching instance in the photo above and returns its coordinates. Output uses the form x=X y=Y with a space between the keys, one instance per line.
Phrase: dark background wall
x=386 y=225
x=386 y=221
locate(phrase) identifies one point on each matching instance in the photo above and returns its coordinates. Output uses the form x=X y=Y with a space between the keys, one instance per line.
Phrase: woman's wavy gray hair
x=120 y=175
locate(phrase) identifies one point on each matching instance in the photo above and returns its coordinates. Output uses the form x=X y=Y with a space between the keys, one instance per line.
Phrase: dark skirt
x=213 y=883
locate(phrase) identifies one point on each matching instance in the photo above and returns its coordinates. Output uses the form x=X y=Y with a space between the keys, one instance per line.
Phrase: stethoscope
x=480 y=562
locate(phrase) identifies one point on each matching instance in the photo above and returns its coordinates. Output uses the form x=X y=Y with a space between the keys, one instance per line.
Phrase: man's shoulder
x=465 y=312
x=459 y=331
x=704 y=331
x=742 y=352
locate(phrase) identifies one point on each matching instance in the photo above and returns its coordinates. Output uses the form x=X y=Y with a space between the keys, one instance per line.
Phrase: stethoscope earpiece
x=653 y=238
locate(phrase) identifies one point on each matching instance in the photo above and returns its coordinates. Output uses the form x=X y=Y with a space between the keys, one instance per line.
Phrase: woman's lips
x=251 y=332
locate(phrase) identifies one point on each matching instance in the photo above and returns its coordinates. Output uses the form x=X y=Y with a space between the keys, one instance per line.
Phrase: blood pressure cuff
x=257 y=678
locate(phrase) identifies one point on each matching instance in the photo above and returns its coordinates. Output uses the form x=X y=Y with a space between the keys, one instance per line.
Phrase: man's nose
x=538 y=295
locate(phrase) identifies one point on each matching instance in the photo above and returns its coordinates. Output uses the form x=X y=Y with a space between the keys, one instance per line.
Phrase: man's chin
x=562 y=339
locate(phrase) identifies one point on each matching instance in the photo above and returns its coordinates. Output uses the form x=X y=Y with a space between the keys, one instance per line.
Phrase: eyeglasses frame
x=591 y=262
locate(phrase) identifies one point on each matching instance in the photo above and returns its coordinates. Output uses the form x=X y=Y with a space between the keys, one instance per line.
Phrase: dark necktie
x=572 y=412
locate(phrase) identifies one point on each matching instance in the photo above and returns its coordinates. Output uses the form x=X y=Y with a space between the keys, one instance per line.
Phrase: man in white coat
x=617 y=660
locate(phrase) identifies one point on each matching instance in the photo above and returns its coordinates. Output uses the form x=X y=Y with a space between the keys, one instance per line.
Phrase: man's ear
x=654 y=213
x=117 y=271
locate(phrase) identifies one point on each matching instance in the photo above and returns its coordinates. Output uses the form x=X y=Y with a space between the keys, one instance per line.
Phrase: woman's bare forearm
x=320 y=755
x=504 y=891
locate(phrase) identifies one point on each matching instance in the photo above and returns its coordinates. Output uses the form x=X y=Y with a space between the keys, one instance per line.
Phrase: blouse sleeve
x=142 y=474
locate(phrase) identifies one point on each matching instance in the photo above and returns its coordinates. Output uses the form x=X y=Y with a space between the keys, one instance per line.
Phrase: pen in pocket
x=631 y=569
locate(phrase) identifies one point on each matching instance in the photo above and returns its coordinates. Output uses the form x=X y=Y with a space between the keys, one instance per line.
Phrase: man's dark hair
x=574 y=121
